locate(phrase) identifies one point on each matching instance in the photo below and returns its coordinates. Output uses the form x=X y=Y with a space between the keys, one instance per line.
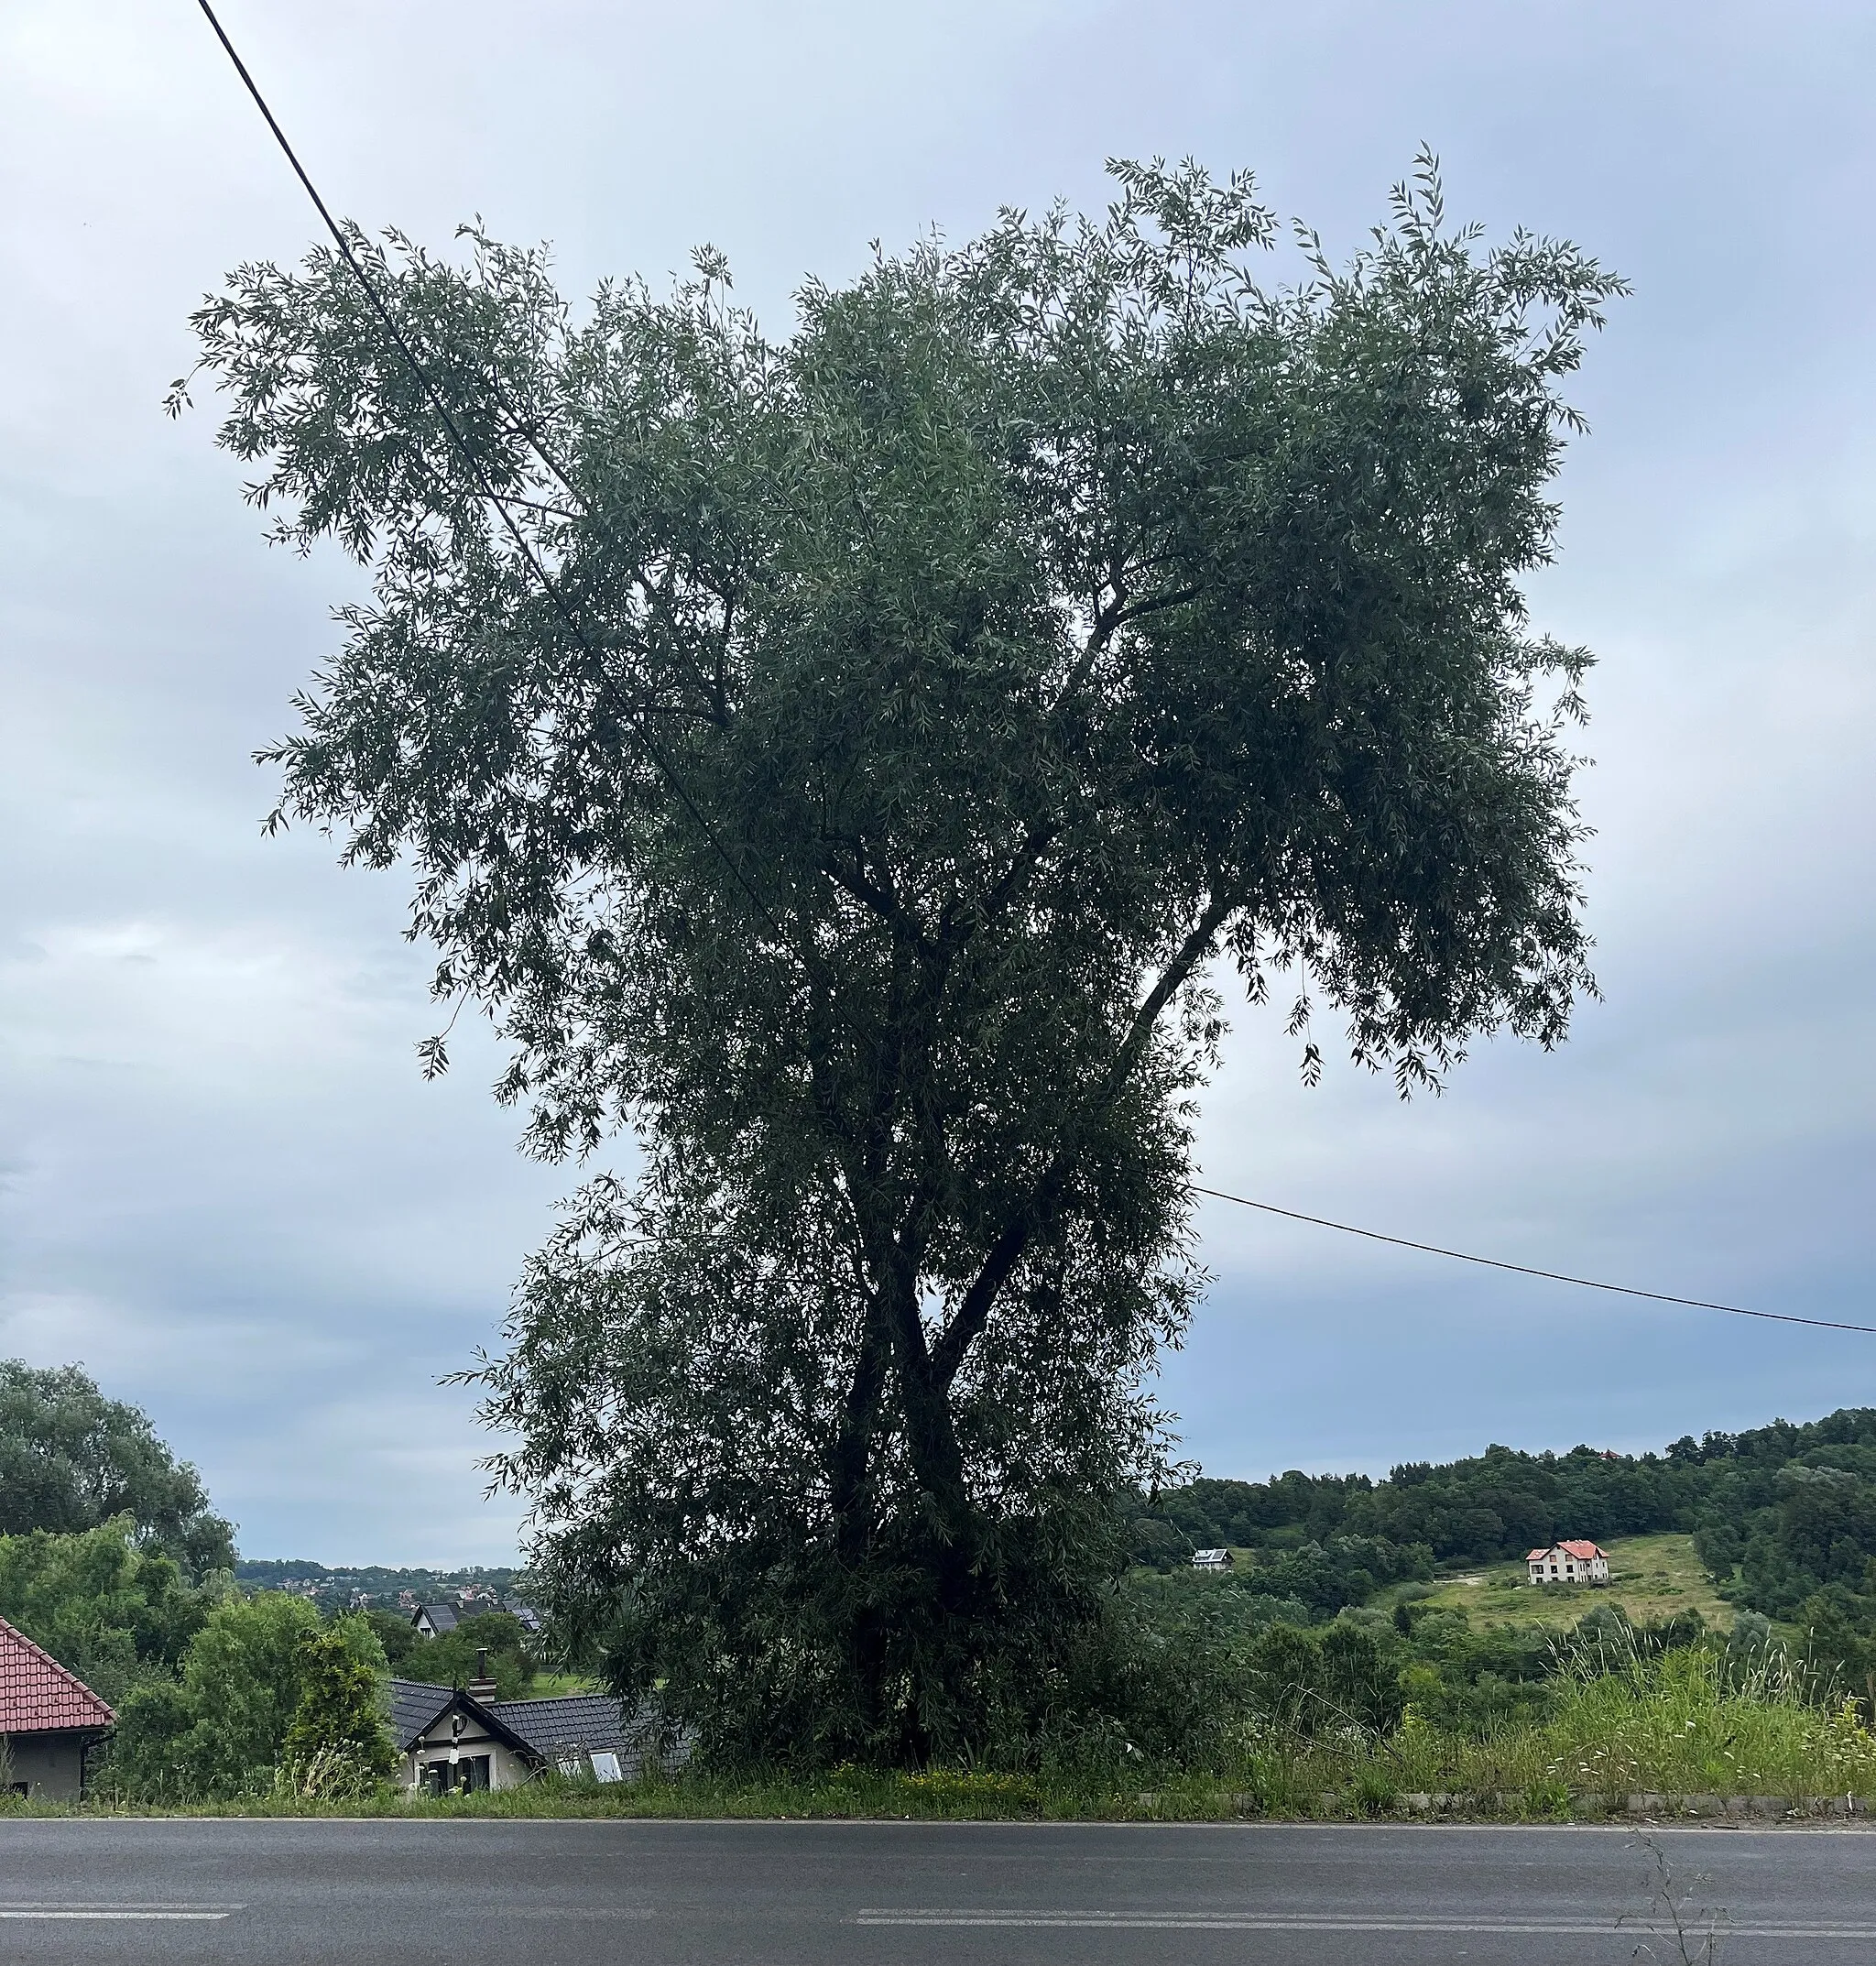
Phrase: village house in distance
x=1568 y=1563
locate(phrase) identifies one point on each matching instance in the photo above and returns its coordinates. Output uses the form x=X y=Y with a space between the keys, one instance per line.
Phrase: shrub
x=339 y=1740
x=257 y=1668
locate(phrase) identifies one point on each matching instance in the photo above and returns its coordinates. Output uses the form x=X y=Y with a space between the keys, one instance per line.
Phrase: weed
x=1374 y=1792
x=1672 y=1917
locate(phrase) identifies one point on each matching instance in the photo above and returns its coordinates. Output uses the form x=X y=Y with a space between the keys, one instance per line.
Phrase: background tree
x=451 y=1658
x=71 y=1459
x=854 y=761
x=222 y=1728
x=113 y=1611
x=399 y=1640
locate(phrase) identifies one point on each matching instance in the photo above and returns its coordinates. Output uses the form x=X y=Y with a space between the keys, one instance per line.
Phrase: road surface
x=797 y=1894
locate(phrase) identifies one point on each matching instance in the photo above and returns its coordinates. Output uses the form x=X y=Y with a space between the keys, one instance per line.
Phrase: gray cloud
x=225 y=1187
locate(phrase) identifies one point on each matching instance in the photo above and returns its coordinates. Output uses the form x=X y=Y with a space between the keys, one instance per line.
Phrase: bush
x=339 y=1740
x=259 y=1668
x=106 y=1608
x=1345 y=1680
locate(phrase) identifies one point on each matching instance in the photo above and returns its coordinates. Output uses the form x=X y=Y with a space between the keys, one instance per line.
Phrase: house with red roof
x=1568 y=1563
x=49 y=1719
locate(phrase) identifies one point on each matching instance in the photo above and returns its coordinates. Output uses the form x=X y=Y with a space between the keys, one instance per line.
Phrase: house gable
x=37 y=1696
x=425 y=1713
x=450 y=1740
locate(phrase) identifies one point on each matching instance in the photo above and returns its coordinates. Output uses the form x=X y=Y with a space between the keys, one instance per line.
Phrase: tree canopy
x=102 y=1602
x=858 y=763
x=71 y=1461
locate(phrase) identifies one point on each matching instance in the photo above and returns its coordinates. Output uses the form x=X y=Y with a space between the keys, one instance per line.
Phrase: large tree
x=856 y=763
x=71 y=1459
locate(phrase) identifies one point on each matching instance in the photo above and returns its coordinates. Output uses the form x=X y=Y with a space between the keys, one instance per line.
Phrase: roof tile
x=37 y=1695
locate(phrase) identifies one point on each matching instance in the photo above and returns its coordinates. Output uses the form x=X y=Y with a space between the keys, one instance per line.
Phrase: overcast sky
x=227 y=1189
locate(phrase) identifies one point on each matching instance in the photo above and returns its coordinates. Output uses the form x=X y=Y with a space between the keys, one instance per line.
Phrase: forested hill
x=1778 y=1514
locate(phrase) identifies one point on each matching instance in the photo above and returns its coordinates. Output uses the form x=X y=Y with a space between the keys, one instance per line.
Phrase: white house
x=451 y=1740
x=1212 y=1559
x=1568 y=1563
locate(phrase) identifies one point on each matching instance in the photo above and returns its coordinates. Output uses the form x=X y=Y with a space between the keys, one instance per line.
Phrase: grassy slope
x=550 y=1686
x=1650 y=1577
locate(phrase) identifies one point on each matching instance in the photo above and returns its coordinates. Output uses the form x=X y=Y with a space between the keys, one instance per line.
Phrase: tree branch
x=1108 y=623
x=974 y=1313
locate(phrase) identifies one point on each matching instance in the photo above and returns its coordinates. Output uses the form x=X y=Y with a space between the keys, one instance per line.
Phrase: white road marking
x=1319 y=1922
x=56 y=1908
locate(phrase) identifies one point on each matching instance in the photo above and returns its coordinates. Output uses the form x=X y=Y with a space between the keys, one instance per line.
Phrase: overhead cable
x=1550 y=1276
x=466 y=451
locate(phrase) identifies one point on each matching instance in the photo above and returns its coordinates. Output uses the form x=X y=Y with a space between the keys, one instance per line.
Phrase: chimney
x=481 y=1687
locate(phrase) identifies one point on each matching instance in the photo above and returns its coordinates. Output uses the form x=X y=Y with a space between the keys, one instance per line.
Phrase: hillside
x=1780 y=1520
x=1651 y=1577
x=372 y=1586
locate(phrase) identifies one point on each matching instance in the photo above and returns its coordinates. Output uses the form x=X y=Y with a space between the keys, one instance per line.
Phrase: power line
x=466 y=451
x=1551 y=1276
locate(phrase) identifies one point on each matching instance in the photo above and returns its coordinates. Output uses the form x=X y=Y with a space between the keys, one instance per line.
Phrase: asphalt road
x=588 y=1894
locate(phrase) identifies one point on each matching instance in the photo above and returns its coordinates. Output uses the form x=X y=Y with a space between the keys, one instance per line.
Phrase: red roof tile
x=1585 y=1551
x=37 y=1695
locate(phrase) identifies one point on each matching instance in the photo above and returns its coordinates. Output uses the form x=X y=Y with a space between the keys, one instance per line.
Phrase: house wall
x=506 y=1768
x=51 y=1765
x=1570 y=1570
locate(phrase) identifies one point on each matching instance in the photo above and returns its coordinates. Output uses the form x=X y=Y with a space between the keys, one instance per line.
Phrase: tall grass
x=1685 y=1722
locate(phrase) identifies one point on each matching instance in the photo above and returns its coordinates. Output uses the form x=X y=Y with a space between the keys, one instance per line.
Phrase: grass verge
x=1684 y=1725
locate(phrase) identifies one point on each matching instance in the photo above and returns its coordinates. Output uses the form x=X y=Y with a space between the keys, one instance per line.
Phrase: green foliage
x=1689 y=1725
x=73 y=1460
x=1782 y=1517
x=340 y=1734
x=1347 y=1678
x=112 y=1610
x=1341 y=1571
x=450 y=1659
x=928 y=705
x=1491 y=1506
x=260 y=1674
x=399 y=1640
x=1468 y=1680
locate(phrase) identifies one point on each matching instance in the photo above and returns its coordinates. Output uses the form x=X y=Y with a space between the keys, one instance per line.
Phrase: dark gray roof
x=413 y=1707
x=575 y=1722
x=442 y=1617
